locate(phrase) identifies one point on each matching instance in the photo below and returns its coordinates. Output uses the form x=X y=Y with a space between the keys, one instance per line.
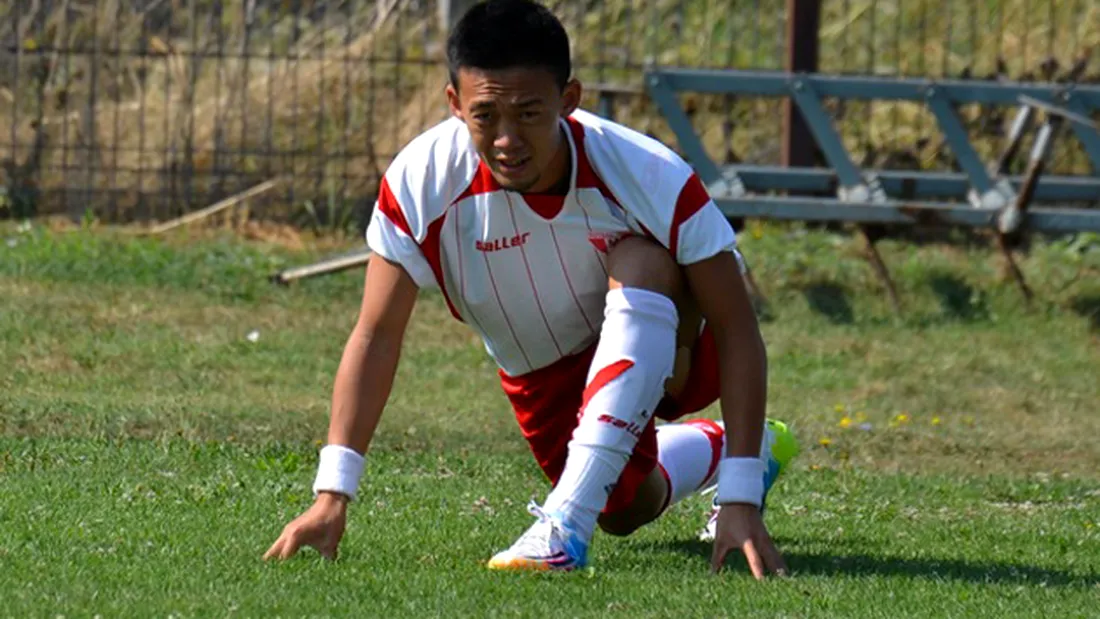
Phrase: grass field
x=150 y=450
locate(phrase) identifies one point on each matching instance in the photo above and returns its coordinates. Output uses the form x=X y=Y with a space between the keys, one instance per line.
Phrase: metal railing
x=137 y=109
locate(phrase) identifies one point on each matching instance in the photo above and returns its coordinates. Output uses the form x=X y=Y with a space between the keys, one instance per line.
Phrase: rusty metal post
x=803 y=22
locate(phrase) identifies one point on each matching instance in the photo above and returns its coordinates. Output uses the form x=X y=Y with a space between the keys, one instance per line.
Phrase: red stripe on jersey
x=391 y=208
x=432 y=248
x=568 y=281
x=504 y=312
x=483 y=182
x=604 y=376
x=531 y=278
x=586 y=175
x=693 y=196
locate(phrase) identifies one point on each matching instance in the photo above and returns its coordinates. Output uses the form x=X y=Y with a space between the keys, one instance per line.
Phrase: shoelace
x=537 y=540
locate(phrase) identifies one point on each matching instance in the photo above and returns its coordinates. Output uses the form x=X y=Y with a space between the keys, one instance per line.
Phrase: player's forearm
x=362 y=387
x=743 y=397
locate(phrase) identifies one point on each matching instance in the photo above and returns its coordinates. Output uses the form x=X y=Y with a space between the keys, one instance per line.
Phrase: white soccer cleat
x=780 y=447
x=547 y=546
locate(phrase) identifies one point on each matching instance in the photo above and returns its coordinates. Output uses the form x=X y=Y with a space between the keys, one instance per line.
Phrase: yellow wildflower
x=845 y=421
x=825 y=441
x=935 y=421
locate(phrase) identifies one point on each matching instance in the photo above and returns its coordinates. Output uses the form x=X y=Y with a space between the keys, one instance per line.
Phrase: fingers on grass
x=718 y=557
x=276 y=549
x=772 y=559
x=756 y=564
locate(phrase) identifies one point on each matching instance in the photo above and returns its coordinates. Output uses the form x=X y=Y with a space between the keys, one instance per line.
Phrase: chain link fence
x=146 y=109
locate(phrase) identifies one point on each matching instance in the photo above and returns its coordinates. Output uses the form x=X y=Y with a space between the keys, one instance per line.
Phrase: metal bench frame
x=982 y=196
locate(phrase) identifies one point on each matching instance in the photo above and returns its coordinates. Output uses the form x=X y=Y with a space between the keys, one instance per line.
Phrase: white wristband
x=740 y=480
x=339 y=471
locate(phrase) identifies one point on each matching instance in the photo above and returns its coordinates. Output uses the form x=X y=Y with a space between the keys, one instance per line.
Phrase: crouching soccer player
x=605 y=284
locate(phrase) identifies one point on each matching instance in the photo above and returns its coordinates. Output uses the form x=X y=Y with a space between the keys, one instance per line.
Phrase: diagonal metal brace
x=988 y=192
x=1088 y=135
x=855 y=187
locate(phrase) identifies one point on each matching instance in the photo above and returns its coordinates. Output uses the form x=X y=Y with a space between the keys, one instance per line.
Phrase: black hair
x=502 y=34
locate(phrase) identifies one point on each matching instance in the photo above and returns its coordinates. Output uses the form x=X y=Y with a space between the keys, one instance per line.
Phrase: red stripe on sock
x=604 y=376
x=715 y=433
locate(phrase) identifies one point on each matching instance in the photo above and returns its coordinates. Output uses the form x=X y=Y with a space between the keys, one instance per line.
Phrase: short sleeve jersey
x=528 y=272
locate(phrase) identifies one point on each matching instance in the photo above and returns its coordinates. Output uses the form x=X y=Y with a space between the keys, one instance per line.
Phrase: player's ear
x=453 y=101
x=571 y=97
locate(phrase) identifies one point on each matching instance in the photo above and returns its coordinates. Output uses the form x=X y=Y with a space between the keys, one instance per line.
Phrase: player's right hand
x=320 y=527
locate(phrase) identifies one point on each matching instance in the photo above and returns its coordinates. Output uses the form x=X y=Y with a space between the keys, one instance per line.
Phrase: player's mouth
x=513 y=167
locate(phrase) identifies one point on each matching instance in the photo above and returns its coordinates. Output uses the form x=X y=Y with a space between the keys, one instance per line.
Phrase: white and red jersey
x=528 y=272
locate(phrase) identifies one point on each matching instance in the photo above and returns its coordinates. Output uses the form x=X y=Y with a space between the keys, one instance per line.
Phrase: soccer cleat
x=548 y=545
x=780 y=447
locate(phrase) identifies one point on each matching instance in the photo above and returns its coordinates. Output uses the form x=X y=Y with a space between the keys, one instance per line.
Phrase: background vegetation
x=147 y=108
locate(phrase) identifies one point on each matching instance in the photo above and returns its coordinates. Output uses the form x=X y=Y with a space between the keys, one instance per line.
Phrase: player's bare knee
x=636 y=262
x=618 y=525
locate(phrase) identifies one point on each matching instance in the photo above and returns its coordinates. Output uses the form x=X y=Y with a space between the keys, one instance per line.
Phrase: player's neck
x=561 y=168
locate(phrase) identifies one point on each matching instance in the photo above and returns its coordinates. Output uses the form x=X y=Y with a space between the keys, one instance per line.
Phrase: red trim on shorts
x=604 y=376
x=714 y=433
x=547 y=402
x=693 y=196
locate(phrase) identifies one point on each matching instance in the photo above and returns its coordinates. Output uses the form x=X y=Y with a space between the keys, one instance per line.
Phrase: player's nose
x=508 y=140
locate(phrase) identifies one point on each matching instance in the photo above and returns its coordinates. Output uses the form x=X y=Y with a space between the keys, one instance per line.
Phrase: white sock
x=626 y=380
x=689 y=454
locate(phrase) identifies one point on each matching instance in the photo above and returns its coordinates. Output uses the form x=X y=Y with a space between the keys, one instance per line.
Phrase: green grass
x=149 y=452
x=106 y=527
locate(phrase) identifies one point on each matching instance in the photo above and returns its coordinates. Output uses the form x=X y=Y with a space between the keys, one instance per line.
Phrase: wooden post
x=803 y=22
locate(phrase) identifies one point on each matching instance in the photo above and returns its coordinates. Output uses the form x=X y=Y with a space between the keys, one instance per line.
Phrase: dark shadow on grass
x=853 y=563
x=1088 y=306
x=957 y=298
x=831 y=301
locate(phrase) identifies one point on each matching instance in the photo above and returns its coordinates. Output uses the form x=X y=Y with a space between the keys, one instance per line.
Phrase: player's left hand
x=740 y=526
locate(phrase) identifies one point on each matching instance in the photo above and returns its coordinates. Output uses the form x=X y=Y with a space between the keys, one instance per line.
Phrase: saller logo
x=629 y=426
x=504 y=242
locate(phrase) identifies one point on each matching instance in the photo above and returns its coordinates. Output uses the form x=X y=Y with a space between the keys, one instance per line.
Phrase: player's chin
x=517 y=184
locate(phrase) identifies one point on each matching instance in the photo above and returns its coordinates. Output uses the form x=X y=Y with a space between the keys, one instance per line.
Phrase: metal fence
x=138 y=109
